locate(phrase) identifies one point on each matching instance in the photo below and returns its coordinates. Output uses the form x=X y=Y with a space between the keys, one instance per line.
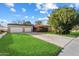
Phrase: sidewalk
x=1 y=35
x=72 y=49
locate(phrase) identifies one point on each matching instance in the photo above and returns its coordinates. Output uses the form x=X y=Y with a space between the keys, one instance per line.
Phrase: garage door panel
x=28 y=29
x=14 y=29
x=20 y=29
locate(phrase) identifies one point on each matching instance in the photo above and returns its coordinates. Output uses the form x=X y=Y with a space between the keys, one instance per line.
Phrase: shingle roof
x=22 y=24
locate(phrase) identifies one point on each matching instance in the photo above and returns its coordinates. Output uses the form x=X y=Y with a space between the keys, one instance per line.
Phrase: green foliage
x=38 y=22
x=27 y=22
x=62 y=20
x=73 y=34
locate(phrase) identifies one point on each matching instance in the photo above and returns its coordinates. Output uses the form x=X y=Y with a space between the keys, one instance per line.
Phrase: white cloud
x=51 y=6
x=23 y=9
x=43 y=12
x=71 y=5
x=76 y=5
x=4 y=22
x=12 y=9
x=26 y=17
x=48 y=15
x=9 y=4
x=17 y=15
x=32 y=17
x=29 y=3
x=43 y=19
x=44 y=7
x=38 y=5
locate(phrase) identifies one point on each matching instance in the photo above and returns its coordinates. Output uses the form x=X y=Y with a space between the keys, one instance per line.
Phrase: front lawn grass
x=72 y=34
x=26 y=45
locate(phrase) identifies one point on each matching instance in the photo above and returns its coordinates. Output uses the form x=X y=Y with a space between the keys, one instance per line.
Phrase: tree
x=27 y=22
x=62 y=20
x=38 y=22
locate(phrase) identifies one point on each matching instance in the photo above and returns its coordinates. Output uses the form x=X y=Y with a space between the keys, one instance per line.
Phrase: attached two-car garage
x=16 y=28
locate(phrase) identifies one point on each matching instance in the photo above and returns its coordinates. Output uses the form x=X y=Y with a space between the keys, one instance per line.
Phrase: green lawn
x=24 y=44
x=72 y=34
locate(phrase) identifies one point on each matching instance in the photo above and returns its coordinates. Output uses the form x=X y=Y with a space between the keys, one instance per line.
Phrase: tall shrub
x=62 y=20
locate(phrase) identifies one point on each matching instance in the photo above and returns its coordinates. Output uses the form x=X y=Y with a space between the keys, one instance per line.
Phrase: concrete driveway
x=72 y=49
x=70 y=45
x=61 y=41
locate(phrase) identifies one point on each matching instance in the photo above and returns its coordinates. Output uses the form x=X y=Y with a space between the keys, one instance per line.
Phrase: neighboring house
x=2 y=28
x=41 y=28
x=16 y=28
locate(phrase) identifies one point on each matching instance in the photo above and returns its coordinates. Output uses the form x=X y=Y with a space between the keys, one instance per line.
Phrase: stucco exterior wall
x=17 y=29
x=28 y=29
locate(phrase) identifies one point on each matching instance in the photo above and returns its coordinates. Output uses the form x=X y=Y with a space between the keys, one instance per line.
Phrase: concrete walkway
x=72 y=49
x=1 y=35
x=61 y=41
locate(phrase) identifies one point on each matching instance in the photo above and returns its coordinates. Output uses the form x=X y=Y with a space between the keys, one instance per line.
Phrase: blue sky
x=13 y=12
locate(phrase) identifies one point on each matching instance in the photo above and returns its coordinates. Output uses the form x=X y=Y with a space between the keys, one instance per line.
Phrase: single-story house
x=16 y=28
x=3 y=28
x=41 y=28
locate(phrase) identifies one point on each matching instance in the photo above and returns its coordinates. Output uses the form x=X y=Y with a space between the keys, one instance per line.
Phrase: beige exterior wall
x=4 y=28
x=17 y=29
x=28 y=29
